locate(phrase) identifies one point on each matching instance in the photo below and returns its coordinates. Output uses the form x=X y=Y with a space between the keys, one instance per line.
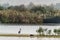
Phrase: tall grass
x=25 y=17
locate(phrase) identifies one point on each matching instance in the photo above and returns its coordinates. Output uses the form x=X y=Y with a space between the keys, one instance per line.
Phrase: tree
x=57 y=31
x=40 y=30
x=49 y=32
x=20 y=8
x=38 y=8
x=45 y=29
x=31 y=5
x=1 y=7
x=10 y=7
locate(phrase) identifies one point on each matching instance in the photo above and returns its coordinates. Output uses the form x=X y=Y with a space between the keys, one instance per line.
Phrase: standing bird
x=19 y=31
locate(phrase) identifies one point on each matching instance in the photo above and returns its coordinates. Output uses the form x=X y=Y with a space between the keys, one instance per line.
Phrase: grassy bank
x=28 y=35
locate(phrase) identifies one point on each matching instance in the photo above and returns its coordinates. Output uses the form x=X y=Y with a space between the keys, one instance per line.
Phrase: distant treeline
x=31 y=14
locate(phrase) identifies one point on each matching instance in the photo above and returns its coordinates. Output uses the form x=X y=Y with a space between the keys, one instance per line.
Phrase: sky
x=18 y=2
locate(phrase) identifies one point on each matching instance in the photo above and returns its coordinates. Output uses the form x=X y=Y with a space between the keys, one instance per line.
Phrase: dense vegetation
x=46 y=31
x=26 y=15
x=12 y=16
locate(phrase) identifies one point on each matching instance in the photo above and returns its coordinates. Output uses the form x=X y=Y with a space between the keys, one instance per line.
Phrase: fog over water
x=25 y=29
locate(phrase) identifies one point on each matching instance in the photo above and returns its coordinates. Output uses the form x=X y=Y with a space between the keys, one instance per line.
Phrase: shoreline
x=29 y=35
